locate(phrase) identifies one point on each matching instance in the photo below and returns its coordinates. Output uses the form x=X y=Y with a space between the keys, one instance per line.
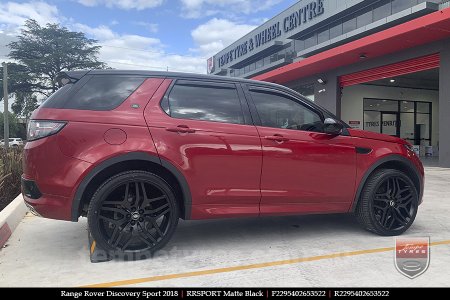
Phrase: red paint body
x=231 y=170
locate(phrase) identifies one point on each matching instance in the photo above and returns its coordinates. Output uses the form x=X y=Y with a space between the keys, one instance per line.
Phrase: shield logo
x=412 y=256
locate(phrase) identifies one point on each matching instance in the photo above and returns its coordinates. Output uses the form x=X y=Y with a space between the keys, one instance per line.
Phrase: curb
x=10 y=217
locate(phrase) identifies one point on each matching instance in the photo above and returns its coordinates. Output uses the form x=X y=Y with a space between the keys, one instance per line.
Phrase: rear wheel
x=134 y=212
x=388 y=203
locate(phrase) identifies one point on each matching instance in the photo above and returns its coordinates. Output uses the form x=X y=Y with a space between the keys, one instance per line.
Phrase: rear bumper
x=48 y=206
x=50 y=178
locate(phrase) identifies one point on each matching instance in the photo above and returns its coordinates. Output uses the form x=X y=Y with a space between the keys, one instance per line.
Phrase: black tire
x=133 y=214
x=388 y=203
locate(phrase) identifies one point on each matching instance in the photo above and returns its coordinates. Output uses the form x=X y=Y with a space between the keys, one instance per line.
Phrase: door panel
x=304 y=170
x=310 y=172
x=220 y=161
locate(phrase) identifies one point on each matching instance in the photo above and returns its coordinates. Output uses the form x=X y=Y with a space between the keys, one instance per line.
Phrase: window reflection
x=278 y=111
x=205 y=103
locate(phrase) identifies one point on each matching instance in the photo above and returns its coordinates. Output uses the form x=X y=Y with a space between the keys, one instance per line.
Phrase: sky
x=178 y=35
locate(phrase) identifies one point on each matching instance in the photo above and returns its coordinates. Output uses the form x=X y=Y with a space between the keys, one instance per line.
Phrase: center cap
x=392 y=203
x=135 y=216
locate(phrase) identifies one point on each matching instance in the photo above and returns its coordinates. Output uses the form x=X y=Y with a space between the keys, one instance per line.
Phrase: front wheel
x=388 y=203
x=134 y=212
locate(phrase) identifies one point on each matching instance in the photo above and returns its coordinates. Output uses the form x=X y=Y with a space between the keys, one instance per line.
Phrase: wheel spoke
x=146 y=236
x=150 y=200
x=127 y=243
x=384 y=216
x=156 y=226
x=406 y=198
x=126 y=203
x=158 y=212
x=116 y=222
x=117 y=235
x=400 y=218
x=388 y=187
x=381 y=196
x=391 y=220
x=407 y=188
x=379 y=206
x=136 y=200
x=112 y=202
x=397 y=186
x=115 y=210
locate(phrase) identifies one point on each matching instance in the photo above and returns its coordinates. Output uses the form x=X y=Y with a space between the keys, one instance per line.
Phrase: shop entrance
x=397 y=100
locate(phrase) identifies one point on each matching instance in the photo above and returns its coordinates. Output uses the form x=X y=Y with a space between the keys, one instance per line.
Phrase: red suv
x=135 y=151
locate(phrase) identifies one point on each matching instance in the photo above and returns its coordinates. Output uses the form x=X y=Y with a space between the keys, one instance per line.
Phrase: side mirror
x=331 y=126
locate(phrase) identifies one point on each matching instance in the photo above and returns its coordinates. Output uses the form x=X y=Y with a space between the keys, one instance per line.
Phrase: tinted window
x=104 y=92
x=364 y=19
x=56 y=100
x=349 y=25
x=311 y=41
x=399 y=5
x=323 y=36
x=382 y=10
x=279 y=111
x=206 y=103
x=335 y=31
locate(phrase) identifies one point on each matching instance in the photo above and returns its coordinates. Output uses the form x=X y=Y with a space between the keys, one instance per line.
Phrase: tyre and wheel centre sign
x=297 y=19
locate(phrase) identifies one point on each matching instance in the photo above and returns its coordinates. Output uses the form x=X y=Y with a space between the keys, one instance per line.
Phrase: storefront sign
x=384 y=124
x=301 y=16
x=355 y=124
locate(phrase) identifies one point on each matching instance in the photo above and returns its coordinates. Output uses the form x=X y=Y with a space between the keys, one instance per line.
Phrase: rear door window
x=205 y=102
x=104 y=92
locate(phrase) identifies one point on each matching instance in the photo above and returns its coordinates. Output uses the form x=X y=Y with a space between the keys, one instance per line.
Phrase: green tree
x=24 y=104
x=45 y=51
x=19 y=79
x=16 y=129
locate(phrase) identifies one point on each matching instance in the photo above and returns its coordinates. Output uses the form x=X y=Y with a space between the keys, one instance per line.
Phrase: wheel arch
x=393 y=161
x=132 y=161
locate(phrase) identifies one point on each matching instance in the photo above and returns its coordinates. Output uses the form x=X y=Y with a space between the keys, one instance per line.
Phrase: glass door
x=390 y=123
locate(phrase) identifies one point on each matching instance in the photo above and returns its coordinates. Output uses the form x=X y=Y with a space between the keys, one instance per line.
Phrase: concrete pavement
x=323 y=251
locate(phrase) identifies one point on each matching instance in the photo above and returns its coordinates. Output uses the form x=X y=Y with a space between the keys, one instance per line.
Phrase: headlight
x=40 y=129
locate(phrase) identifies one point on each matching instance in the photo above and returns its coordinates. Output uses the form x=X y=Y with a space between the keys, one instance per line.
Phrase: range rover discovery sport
x=134 y=151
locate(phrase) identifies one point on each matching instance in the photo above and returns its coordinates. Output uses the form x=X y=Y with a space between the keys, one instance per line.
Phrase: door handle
x=181 y=129
x=277 y=138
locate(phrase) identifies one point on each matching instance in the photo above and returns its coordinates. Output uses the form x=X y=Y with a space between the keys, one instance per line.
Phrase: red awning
x=420 y=31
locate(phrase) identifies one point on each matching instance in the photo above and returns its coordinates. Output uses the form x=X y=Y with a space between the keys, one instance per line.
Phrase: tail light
x=40 y=129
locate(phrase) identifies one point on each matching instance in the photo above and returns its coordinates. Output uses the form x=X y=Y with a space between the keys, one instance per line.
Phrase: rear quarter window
x=103 y=92
x=56 y=100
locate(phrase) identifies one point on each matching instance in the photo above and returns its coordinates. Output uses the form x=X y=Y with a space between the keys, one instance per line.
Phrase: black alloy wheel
x=133 y=213
x=393 y=203
x=388 y=203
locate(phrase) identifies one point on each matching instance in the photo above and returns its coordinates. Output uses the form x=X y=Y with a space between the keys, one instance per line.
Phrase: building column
x=329 y=95
x=444 y=109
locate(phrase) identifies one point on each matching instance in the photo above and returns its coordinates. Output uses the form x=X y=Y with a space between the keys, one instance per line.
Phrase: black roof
x=79 y=74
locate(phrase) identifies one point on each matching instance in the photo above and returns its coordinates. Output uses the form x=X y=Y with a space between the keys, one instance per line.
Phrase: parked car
x=13 y=142
x=134 y=151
